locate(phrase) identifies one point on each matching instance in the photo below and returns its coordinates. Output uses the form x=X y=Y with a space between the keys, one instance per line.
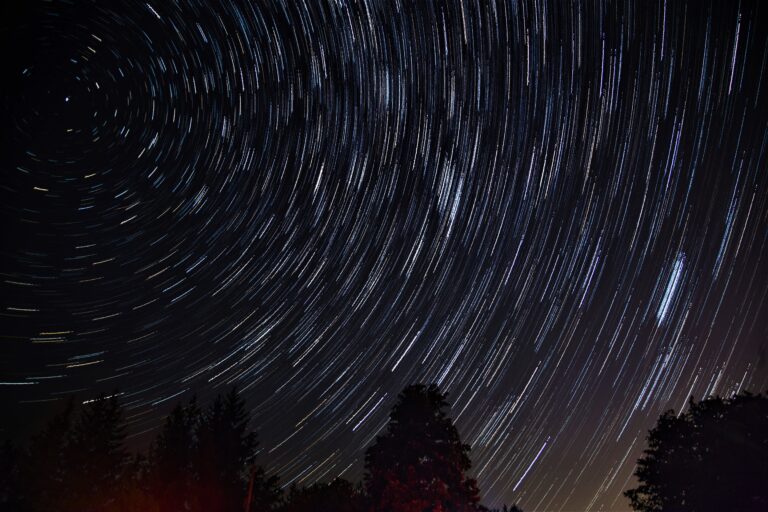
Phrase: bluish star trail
x=556 y=212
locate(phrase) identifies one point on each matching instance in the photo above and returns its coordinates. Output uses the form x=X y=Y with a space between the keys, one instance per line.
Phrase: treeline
x=714 y=456
x=204 y=460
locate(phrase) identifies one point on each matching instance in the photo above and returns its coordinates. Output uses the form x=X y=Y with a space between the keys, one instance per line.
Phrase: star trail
x=558 y=212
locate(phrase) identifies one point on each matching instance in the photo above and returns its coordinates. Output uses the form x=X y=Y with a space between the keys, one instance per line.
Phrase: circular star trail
x=556 y=212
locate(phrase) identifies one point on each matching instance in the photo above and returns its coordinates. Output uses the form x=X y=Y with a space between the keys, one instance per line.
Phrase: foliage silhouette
x=200 y=461
x=420 y=464
x=76 y=463
x=713 y=457
x=514 y=508
x=169 y=474
x=225 y=450
x=43 y=468
x=338 y=496
x=263 y=491
x=203 y=460
x=95 y=448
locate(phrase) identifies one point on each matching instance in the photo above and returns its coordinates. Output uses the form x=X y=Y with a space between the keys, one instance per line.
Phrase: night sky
x=558 y=213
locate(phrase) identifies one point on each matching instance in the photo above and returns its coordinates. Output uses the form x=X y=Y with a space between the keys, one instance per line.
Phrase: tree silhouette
x=96 y=460
x=204 y=461
x=263 y=492
x=77 y=463
x=134 y=494
x=43 y=469
x=505 y=508
x=170 y=477
x=224 y=460
x=713 y=457
x=338 y=496
x=420 y=463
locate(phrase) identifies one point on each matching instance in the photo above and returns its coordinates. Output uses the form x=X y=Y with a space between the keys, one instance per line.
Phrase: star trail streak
x=556 y=211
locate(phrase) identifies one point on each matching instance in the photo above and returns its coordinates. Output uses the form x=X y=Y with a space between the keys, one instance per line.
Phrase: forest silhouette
x=714 y=456
x=203 y=459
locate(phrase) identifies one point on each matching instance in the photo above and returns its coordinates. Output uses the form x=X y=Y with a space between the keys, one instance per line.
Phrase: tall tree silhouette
x=96 y=459
x=713 y=457
x=420 y=464
x=170 y=477
x=226 y=448
x=43 y=471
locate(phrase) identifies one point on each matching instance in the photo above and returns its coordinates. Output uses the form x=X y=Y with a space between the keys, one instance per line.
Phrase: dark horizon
x=558 y=214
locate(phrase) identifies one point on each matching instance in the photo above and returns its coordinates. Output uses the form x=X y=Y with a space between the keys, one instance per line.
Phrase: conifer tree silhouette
x=43 y=471
x=225 y=456
x=96 y=460
x=420 y=463
x=170 y=477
